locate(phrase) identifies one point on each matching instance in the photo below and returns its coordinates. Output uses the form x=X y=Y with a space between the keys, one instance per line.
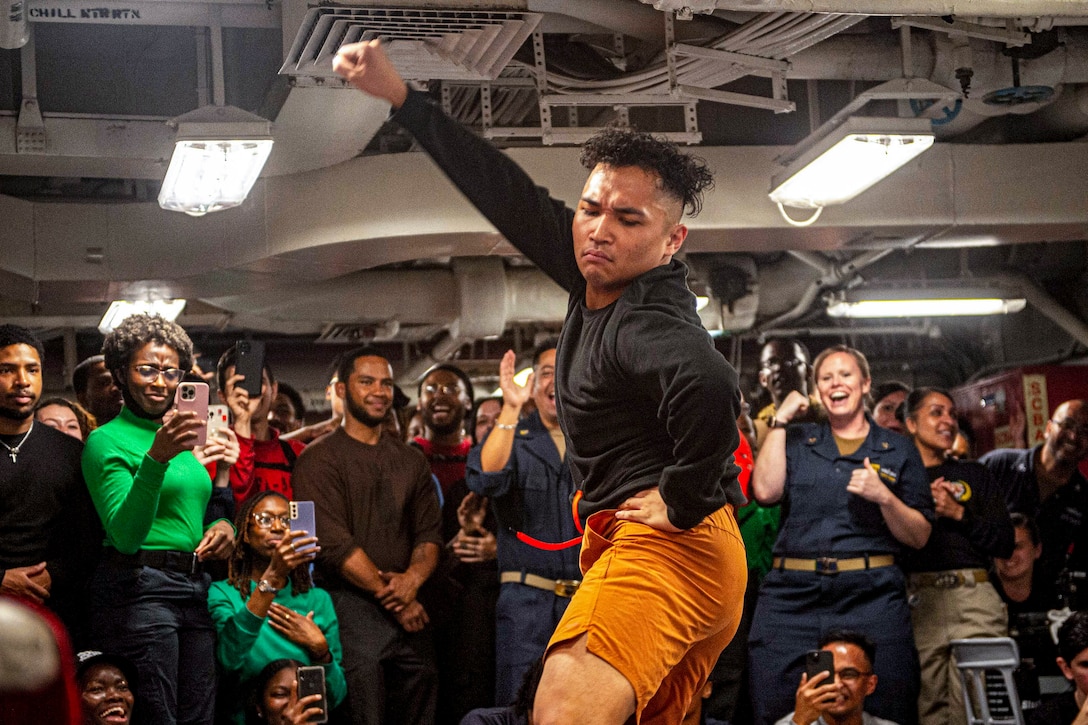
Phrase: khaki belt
x=558 y=587
x=953 y=579
x=829 y=565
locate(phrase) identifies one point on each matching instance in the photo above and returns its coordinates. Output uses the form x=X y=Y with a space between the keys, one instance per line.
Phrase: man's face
x=368 y=391
x=853 y=676
x=624 y=226
x=1076 y=671
x=1067 y=432
x=486 y=415
x=102 y=397
x=1022 y=561
x=544 y=387
x=782 y=368
x=281 y=415
x=884 y=412
x=443 y=401
x=20 y=381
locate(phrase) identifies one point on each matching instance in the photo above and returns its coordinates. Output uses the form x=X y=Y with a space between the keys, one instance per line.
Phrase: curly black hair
x=138 y=330
x=240 y=566
x=682 y=176
x=16 y=335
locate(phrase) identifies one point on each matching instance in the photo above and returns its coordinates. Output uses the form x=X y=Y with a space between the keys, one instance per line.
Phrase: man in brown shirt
x=379 y=528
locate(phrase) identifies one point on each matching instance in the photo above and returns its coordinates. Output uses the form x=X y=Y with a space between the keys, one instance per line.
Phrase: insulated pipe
x=1045 y=304
x=832 y=276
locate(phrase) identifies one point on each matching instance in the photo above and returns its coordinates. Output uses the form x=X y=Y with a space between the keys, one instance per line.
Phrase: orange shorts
x=657 y=606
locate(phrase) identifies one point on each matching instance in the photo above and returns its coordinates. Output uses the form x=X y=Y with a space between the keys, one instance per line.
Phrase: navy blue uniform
x=531 y=494
x=821 y=519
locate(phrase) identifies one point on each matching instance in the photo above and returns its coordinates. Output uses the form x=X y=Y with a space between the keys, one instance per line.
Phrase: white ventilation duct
x=14 y=31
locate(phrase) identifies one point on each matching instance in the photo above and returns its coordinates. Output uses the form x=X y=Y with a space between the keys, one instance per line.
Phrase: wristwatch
x=774 y=422
x=266 y=587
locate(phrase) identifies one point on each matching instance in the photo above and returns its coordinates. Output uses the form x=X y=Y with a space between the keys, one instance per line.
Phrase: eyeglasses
x=850 y=674
x=1070 y=426
x=265 y=520
x=150 y=373
x=444 y=389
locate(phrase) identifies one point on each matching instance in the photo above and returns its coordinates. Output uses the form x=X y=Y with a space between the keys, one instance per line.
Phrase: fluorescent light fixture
x=946 y=307
x=218 y=155
x=121 y=309
x=854 y=156
x=963 y=242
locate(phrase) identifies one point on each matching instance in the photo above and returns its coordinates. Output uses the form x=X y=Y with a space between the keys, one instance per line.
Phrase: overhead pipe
x=831 y=276
x=1049 y=307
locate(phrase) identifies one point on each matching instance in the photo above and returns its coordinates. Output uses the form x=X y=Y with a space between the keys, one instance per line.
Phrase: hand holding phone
x=194 y=397
x=249 y=362
x=311 y=681
x=820 y=660
x=304 y=519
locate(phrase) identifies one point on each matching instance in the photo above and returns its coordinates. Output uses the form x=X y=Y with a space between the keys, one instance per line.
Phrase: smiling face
x=105 y=696
x=368 y=391
x=444 y=402
x=933 y=427
x=1022 y=562
x=1067 y=432
x=842 y=386
x=157 y=395
x=277 y=696
x=544 y=387
x=624 y=226
x=62 y=418
x=853 y=677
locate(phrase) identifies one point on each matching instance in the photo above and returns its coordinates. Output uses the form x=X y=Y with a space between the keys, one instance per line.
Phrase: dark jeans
x=160 y=621
x=525 y=621
x=391 y=674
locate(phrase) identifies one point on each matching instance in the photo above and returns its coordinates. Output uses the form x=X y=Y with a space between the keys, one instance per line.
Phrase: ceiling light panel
x=467 y=45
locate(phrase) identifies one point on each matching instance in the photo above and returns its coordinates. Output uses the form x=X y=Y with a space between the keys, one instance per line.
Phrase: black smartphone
x=250 y=362
x=820 y=660
x=311 y=681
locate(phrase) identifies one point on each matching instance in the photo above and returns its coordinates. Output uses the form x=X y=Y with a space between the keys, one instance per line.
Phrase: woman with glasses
x=853 y=495
x=268 y=608
x=148 y=481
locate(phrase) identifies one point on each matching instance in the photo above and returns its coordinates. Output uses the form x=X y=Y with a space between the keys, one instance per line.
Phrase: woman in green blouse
x=268 y=608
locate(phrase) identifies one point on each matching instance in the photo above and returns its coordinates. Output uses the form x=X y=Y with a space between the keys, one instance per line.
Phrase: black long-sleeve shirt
x=984 y=532
x=644 y=399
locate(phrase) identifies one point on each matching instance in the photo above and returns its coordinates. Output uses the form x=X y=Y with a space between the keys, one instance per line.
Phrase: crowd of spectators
x=444 y=557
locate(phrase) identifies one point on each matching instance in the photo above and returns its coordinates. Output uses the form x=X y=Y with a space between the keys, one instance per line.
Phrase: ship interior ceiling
x=351 y=234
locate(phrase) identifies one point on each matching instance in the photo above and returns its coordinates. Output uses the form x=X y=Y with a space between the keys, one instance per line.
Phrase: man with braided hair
x=642 y=394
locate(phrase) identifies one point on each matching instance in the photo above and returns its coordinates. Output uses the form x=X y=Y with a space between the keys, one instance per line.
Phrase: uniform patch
x=961 y=491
